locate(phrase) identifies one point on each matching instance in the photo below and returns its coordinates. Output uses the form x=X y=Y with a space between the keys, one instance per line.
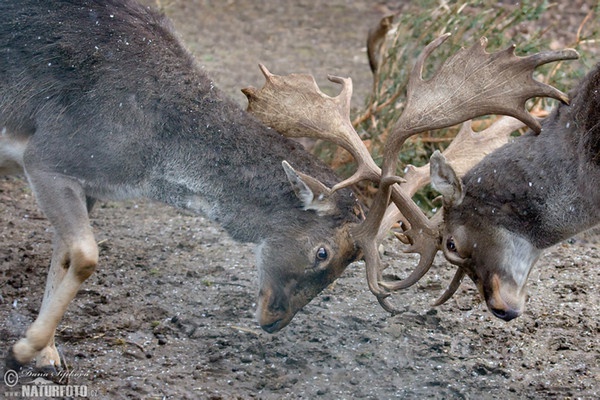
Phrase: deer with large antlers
x=524 y=197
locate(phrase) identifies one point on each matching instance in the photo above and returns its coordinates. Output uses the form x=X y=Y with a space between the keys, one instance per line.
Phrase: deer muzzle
x=273 y=312
x=504 y=301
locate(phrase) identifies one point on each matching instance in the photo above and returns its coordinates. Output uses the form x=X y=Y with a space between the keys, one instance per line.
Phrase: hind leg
x=74 y=259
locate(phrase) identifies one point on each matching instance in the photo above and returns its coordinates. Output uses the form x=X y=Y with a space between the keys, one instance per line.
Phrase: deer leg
x=48 y=356
x=74 y=259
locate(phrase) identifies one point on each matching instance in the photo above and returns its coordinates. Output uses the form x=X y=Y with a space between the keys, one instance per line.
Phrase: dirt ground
x=170 y=312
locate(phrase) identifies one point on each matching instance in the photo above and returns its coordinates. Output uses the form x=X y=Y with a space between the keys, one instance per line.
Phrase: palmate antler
x=294 y=106
x=469 y=84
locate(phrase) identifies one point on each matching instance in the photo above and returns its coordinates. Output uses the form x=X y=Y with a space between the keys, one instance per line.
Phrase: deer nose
x=272 y=327
x=505 y=314
x=272 y=313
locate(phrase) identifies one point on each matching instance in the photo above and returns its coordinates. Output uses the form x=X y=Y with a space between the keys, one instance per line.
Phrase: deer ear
x=445 y=180
x=312 y=194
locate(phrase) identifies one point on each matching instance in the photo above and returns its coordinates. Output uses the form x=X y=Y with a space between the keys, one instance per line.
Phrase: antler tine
x=402 y=130
x=344 y=98
x=546 y=57
x=454 y=285
x=295 y=106
x=368 y=242
x=416 y=74
x=420 y=243
x=267 y=74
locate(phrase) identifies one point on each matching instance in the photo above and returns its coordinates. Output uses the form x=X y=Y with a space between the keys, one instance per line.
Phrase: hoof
x=11 y=362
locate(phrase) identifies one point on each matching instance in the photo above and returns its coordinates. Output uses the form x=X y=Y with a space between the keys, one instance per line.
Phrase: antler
x=472 y=83
x=467 y=148
x=294 y=106
x=469 y=84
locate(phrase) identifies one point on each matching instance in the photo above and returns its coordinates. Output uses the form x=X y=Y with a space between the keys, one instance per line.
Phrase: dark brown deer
x=99 y=100
x=526 y=196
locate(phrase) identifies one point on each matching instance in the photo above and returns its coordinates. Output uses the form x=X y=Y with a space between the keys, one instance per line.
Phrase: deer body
x=99 y=100
x=526 y=196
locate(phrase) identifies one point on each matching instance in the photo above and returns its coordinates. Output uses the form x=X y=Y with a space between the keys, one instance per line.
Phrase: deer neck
x=219 y=161
x=544 y=187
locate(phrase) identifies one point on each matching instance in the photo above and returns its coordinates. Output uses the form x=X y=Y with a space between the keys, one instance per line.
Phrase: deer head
x=476 y=245
x=318 y=251
x=469 y=84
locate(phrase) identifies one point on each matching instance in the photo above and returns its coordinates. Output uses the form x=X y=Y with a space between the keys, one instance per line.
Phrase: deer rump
x=99 y=100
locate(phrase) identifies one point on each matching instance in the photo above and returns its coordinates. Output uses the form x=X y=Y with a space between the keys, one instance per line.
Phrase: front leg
x=48 y=357
x=74 y=259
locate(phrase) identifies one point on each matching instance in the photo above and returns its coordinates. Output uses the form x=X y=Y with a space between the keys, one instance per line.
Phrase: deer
x=101 y=101
x=524 y=197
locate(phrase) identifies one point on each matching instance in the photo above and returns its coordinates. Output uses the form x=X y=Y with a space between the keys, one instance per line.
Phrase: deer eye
x=452 y=253
x=322 y=254
x=450 y=245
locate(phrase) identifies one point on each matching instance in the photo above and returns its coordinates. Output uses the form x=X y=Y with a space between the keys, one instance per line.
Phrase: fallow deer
x=99 y=100
x=526 y=196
